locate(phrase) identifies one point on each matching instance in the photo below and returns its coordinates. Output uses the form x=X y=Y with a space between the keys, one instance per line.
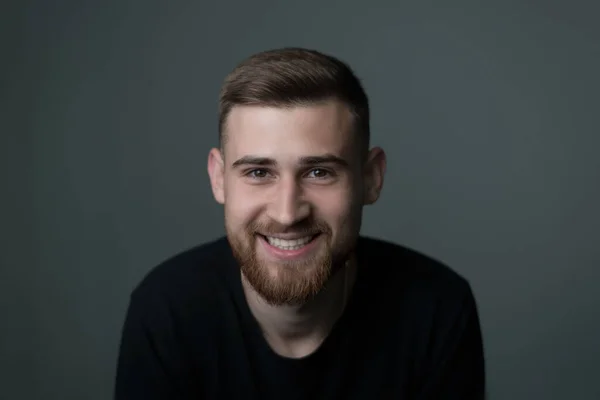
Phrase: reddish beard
x=284 y=282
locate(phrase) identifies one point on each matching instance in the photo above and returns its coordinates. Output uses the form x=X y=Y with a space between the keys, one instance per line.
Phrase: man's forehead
x=306 y=129
x=331 y=114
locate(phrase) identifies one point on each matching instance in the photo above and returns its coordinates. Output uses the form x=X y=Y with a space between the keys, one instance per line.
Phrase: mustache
x=304 y=228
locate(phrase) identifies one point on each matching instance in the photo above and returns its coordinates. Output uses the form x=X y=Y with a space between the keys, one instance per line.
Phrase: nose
x=289 y=206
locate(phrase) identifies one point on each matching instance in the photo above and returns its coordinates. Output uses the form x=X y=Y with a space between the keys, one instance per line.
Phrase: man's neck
x=296 y=331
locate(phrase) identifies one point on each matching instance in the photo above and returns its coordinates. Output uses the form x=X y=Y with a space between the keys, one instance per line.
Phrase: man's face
x=293 y=185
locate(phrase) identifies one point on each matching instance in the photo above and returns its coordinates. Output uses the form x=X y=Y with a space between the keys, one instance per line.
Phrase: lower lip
x=288 y=254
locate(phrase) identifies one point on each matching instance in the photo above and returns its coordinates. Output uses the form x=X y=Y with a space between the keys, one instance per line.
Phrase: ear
x=374 y=172
x=216 y=173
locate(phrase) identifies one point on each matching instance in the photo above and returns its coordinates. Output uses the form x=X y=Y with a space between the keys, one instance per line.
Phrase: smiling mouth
x=293 y=244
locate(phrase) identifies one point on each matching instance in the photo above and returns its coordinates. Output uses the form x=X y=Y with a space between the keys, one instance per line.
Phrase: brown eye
x=258 y=173
x=318 y=173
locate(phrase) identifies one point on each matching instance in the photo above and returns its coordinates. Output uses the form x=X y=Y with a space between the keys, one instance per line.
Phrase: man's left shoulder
x=401 y=266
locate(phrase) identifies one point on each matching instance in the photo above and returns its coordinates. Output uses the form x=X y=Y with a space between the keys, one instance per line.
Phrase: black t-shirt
x=410 y=330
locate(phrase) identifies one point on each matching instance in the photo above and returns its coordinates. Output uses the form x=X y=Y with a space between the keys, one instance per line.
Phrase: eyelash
x=250 y=173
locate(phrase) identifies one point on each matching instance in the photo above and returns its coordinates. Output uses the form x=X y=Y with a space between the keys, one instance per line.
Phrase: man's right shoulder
x=193 y=272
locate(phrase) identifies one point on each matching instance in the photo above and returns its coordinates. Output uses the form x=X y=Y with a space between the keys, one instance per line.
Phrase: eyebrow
x=304 y=161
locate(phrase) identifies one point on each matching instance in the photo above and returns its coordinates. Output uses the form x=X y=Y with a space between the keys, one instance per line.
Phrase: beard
x=290 y=282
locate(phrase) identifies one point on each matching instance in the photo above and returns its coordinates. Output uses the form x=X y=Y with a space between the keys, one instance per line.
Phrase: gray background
x=488 y=112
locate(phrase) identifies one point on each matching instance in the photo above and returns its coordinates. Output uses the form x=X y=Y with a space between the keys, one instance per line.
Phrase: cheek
x=336 y=208
x=242 y=204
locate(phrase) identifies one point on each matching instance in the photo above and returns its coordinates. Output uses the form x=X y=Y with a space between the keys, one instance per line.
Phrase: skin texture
x=294 y=172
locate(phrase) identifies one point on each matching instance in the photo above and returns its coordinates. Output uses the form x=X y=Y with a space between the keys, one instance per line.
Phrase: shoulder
x=194 y=275
x=429 y=301
x=411 y=271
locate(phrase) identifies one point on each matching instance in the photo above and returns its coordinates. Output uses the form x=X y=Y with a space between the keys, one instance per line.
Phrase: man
x=294 y=303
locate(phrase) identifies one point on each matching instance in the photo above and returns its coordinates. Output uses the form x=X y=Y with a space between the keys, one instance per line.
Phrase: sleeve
x=458 y=367
x=151 y=364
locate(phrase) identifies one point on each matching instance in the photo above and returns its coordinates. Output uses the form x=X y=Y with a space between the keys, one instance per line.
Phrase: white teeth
x=288 y=244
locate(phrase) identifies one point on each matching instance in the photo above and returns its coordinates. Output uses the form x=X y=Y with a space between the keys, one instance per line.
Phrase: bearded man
x=294 y=303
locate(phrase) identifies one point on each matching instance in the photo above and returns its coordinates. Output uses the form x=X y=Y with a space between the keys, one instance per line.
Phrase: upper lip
x=290 y=236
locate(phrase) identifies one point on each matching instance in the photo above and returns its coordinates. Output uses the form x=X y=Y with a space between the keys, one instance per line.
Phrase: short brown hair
x=294 y=76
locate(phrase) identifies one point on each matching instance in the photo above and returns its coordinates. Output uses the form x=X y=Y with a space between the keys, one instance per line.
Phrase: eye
x=319 y=173
x=257 y=173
